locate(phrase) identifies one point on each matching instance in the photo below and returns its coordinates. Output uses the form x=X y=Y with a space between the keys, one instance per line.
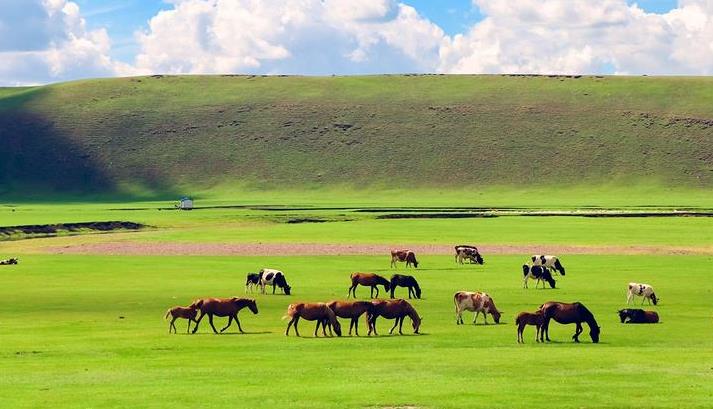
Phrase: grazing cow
x=637 y=316
x=275 y=278
x=528 y=318
x=352 y=310
x=319 y=312
x=369 y=280
x=551 y=262
x=395 y=310
x=477 y=302
x=223 y=307
x=470 y=253
x=566 y=313
x=398 y=280
x=252 y=281
x=539 y=273
x=9 y=261
x=641 y=290
x=188 y=313
x=407 y=256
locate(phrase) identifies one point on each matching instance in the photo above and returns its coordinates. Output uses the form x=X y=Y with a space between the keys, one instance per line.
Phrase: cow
x=539 y=273
x=637 y=316
x=407 y=256
x=551 y=262
x=275 y=278
x=477 y=302
x=9 y=261
x=641 y=290
x=470 y=253
x=252 y=281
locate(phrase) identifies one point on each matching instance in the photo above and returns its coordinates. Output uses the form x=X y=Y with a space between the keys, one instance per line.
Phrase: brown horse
x=564 y=313
x=188 y=313
x=352 y=310
x=368 y=280
x=223 y=307
x=528 y=318
x=395 y=310
x=319 y=312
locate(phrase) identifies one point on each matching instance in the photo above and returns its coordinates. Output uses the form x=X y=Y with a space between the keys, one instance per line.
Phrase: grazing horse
x=252 y=281
x=641 y=290
x=319 y=312
x=188 y=313
x=477 y=302
x=551 y=262
x=369 y=280
x=528 y=318
x=405 y=281
x=637 y=316
x=352 y=310
x=564 y=313
x=9 y=261
x=275 y=278
x=468 y=252
x=539 y=273
x=407 y=256
x=395 y=310
x=223 y=307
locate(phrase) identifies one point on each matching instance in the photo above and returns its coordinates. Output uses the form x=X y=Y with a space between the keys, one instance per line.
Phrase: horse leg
x=578 y=331
x=170 y=324
x=372 y=323
x=289 y=324
x=410 y=290
x=538 y=328
x=355 y=322
x=377 y=291
x=198 y=322
x=396 y=322
x=230 y=321
x=520 y=327
x=349 y=291
x=401 y=324
x=316 y=328
x=237 y=321
x=325 y=325
x=210 y=320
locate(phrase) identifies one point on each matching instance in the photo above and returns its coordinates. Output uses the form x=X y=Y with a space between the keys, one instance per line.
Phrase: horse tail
x=291 y=311
x=167 y=313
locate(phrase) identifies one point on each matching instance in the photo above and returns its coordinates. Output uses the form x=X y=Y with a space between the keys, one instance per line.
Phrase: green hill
x=162 y=134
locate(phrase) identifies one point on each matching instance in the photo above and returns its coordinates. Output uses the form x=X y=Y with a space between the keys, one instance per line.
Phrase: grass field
x=64 y=342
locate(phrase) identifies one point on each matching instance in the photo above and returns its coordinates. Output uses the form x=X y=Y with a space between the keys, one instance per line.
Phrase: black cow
x=539 y=273
x=637 y=316
x=252 y=281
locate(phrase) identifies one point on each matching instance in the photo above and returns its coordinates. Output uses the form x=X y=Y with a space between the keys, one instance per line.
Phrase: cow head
x=623 y=314
x=594 y=334
x=654 y=299
x=479 y=258
x=496 y=315
x=287 y=289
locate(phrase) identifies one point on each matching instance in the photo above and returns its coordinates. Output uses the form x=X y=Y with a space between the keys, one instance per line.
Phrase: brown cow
x=319 y=312
x=188 y=313
x=477 y=302
x=407 y=256
x=352 y=310
x=528 y=318
x=396 y=310
x=369 y=280
x=223 y=307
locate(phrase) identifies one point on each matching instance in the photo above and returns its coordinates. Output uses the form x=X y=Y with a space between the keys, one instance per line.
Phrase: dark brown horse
x=564 y=313
x=368 y=280
x=400 y=280
x=395 y=310
x=188 y=313
x=319 y=312
x=528 y=318
x=352 y=310
x=223 y=307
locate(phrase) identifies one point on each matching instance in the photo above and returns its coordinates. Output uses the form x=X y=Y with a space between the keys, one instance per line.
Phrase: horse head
x=337 y=327
x=594 y=333
x=416 y=323
x=253 y=306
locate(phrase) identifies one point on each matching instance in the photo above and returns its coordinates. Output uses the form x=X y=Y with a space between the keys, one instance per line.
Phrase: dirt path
x=318 y=249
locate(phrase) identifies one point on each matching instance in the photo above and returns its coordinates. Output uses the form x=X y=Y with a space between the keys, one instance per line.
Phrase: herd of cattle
x=540 y=268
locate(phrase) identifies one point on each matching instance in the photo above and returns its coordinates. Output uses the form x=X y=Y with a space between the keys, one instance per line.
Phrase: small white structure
x=186 y=203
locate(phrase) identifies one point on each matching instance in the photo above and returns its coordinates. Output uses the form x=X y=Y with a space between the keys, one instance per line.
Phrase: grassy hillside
x=168 y=134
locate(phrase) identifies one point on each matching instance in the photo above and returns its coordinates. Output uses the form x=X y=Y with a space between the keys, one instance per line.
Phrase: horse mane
x=382 y=280
x=411 y=312
x=587 y=316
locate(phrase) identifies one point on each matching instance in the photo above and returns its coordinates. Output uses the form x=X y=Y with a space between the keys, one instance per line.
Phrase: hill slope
x=162 y=132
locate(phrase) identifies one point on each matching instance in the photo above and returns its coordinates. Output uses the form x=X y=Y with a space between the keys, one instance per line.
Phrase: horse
x=398 y=280
x=352 y=310
x=369 y=280
x=407 y=256
x=477 y=302
x=528 y=318
x=188 y=313
x=396 y=310
x=319 y=312
x=223 y=307
x=637 y=316
x=564 y=313
x=468 y=252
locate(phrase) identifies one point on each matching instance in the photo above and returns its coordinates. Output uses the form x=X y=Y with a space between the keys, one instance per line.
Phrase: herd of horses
x=540 y=268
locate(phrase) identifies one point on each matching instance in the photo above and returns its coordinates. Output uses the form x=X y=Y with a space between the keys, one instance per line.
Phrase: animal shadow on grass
x=230 y=333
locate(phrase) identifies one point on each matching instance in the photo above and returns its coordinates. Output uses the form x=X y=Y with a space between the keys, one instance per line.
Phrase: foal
x=528 y=318
x=188 y=313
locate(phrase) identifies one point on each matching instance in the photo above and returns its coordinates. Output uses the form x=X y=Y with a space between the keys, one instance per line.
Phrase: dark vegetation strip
x=44 y=230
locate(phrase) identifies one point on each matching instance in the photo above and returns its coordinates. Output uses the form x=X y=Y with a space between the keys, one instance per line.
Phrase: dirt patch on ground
x=320 y=249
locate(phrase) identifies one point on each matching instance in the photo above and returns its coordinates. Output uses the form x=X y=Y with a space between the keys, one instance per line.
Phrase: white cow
x=477 y=302
x=641 y=290
x=551 y=262
x=275 y=278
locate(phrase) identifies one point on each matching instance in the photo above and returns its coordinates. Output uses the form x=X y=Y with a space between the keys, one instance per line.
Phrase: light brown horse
x=318 y=311
x=188 y=313
x=223 y=307
x=529 y=318
x=369 y=280
x=565 y=313
x=395 y=310
x=352 y=310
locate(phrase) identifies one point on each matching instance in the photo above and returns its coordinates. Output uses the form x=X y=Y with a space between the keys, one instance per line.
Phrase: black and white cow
x=9 y=261
x=275 y=278
x=470 y=253
x=551 y=262
x=539 y=273
x=641 y=290
x=252 y=281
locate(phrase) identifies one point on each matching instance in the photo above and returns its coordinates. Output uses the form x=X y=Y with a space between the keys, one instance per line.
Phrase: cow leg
x=273 y=289
x=629 y=296
x=475 y=316
x=210 y=320
x=230 y=321
x=198 y=322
